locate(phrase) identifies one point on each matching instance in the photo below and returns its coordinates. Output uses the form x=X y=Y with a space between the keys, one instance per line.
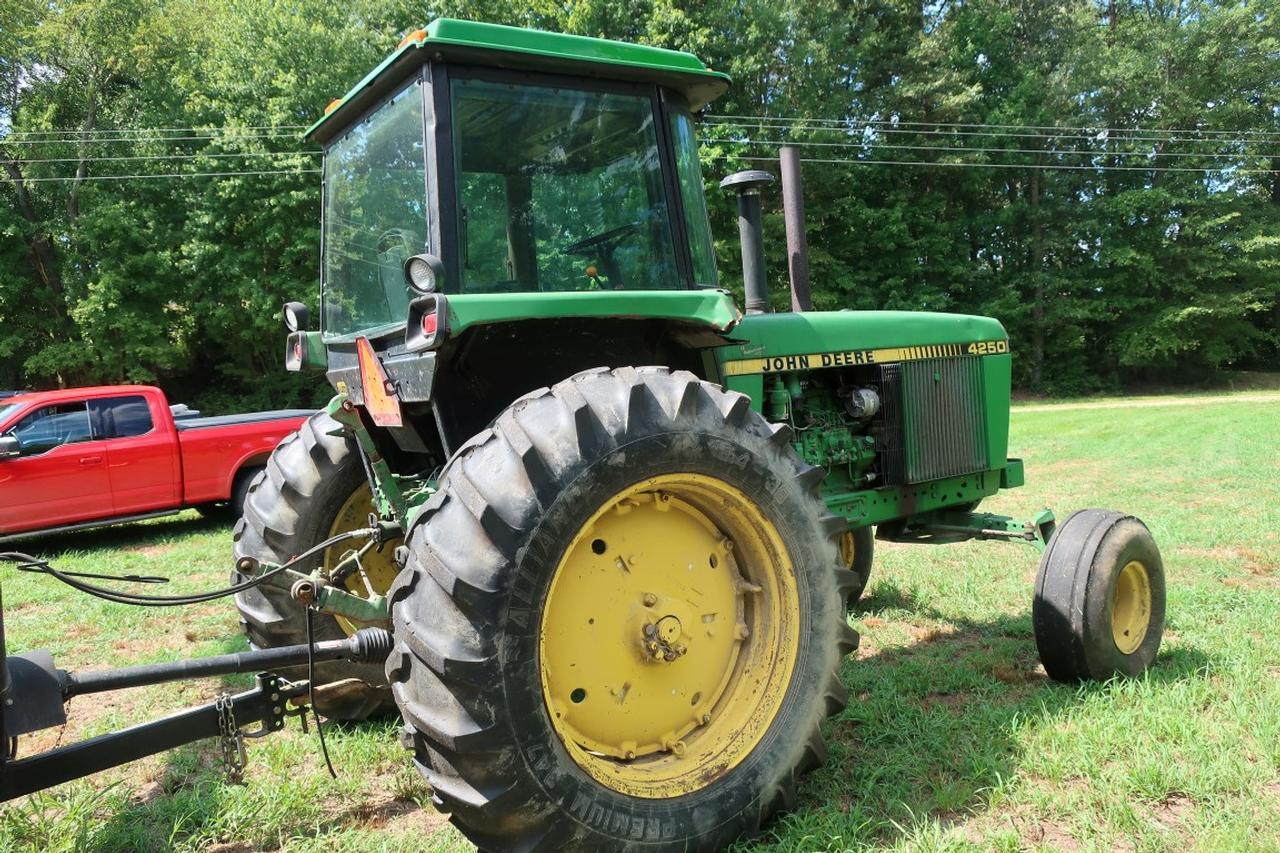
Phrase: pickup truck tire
x=233 y=507
x=289 y=507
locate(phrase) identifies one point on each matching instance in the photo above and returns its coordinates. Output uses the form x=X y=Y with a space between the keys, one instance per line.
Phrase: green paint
x=387 y=497
x=986 y=526
x=876 y=506
x=335 y=600
x=316 y=356
x=713 y=308
x=839 y=331
x=515 y=47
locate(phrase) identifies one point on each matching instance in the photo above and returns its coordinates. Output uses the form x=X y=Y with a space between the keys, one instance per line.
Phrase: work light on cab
x=424 y=273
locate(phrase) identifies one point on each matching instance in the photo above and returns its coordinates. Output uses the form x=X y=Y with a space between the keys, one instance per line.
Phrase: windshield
x=559 y=190
x=375 y=216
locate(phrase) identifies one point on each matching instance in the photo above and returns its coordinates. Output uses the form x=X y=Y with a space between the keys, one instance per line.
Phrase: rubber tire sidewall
x=1071 y=612
x=601 y=809
x=287 y=511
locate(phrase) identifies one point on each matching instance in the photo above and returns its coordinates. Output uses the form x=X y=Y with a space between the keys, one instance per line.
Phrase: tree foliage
x=1104 y=263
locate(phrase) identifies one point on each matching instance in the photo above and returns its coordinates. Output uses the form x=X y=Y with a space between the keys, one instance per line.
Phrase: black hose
x=172 y=600
x=311 y=681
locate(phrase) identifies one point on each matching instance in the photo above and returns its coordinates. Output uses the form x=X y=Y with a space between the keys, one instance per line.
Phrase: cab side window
x=120 y=417
x=53 y=426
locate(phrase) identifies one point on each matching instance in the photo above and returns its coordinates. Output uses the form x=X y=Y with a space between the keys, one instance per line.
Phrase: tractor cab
x=524 y=162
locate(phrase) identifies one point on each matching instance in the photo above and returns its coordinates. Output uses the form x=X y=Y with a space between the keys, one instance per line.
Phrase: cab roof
x=84 y=392
x=497 y=46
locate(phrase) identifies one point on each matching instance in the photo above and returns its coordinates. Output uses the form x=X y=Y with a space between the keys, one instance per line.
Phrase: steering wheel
x=601 y=241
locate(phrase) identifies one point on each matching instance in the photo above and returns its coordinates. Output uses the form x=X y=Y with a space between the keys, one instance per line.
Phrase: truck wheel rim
x=379 y=566
x=1131 y=607
x=669 y=634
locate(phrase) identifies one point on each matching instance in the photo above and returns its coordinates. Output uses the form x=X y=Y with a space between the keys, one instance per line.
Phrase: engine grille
x=935 y=422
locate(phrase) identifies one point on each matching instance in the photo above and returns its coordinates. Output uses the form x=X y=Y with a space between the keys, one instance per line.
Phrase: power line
x=218 y=136
x=1272 y=136
x=130 y=132
x=219 y=155
x=177 y=175
x=849 y=130
x=1047 y=166
x=1051 y=151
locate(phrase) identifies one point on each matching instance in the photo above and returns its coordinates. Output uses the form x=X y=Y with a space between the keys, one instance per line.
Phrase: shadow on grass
x=122 y=536
x=192 y=803
x=931 y=727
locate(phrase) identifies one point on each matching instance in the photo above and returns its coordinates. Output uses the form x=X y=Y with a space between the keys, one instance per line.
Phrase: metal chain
x=231 y=740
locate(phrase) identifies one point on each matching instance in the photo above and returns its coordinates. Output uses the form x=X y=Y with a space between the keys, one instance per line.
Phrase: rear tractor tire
x=1099 y=600
x=620 y=620
x=313 y=487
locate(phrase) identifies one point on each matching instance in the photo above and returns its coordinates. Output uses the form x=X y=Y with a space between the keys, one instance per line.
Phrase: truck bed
x=186 y=424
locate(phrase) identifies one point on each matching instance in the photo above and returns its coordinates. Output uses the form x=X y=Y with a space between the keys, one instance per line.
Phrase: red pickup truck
x=84 y=457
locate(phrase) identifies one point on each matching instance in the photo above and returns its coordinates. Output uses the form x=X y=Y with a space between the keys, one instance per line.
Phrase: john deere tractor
x=613 y=522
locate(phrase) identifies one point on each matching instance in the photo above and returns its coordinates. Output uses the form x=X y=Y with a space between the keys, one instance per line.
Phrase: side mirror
x=296 y=316
x=10 y=446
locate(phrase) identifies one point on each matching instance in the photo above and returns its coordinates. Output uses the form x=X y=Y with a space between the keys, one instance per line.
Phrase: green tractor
x=614 y=523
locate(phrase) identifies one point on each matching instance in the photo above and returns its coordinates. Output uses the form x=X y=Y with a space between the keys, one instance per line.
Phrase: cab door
x=142 y=456
x=60 y=474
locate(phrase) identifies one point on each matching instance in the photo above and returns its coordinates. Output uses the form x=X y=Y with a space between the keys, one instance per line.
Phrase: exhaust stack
x=793 y=214
x=747 y=185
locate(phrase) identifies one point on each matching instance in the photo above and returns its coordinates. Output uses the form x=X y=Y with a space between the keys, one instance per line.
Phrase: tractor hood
x=842 y=335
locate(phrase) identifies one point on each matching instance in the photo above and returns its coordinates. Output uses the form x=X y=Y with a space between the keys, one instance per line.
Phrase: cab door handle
x=90 y=460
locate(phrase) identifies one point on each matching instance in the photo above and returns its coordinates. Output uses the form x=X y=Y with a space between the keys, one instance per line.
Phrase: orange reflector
x=333 y=105
x=418 y=36
x=379 y=396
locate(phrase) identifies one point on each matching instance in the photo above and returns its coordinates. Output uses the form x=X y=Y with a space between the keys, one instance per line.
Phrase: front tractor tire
x=1098 y=610
x=313 y=487
x=621 y=619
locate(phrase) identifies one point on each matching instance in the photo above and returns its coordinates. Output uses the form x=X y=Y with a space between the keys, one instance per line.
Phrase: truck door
x=142 y=457
x=60 y=476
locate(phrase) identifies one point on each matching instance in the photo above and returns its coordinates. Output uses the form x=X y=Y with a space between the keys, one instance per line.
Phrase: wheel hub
x=377 y=569
x=1131 y=607
x=646 y=628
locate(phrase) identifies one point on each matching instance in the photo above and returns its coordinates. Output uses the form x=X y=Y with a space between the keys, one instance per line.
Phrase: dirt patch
x=1171 y=811
x=952 y=702
x=1017 y=672
x=1253 y=582
x=376 y=812
x=1255 y=562
x=152 y=550
x=417 y=821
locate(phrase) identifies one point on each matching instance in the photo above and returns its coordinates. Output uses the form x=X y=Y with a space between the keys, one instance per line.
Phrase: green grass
x=953 y=740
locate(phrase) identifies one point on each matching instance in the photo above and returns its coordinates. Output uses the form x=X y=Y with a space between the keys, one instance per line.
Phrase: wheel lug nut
x=650 y=630
x=706 y=718
x=742 y=631
x=649 y=600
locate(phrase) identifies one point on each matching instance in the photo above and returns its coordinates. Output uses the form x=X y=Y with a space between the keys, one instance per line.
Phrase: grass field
x=954 y=739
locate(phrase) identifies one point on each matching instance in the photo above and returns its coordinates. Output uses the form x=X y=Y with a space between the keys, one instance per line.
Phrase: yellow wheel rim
x=379 y=566
x=848 y=549
x=669 y=635
x=1131 y=607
